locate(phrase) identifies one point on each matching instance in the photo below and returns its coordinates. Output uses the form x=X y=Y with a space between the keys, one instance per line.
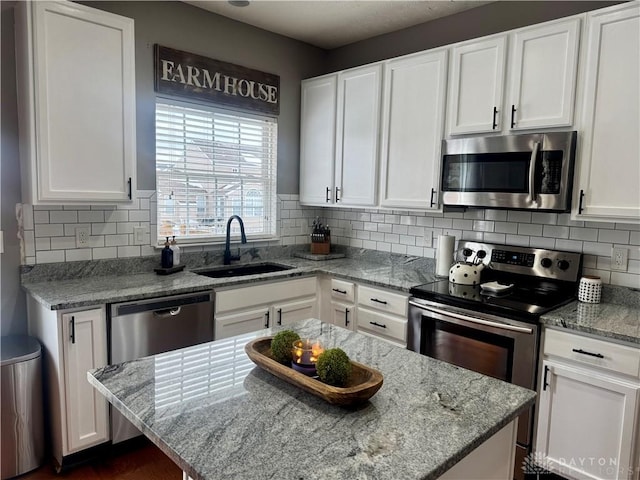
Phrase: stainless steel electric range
x=492 y=327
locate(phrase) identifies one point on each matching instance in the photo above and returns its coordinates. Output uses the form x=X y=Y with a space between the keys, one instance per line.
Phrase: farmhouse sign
x=202 y=78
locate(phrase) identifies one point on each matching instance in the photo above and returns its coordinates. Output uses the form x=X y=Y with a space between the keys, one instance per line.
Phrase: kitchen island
x=217 y=415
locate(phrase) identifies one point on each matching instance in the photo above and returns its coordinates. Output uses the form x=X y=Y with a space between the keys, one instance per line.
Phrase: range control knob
x=563 y=264
x=546 y=262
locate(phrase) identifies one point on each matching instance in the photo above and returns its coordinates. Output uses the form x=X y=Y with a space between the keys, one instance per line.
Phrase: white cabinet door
x=476 y=86
x=289 y=312
x=343 y=315
x=413 y=125
x=543 y=69
x=357 y=136
x=610 y=140
x=586 y=422
x=77 y=103
x=317 y=140
x=244 y=322
x=84 y=337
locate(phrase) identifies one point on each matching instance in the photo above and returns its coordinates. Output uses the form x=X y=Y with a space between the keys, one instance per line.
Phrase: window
x=211 y=164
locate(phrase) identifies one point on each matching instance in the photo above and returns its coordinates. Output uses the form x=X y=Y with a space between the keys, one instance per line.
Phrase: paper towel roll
x=444 y=256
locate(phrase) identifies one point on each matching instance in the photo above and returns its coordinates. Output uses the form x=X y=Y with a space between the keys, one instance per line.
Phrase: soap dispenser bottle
x=166 y=258
x=176 y=251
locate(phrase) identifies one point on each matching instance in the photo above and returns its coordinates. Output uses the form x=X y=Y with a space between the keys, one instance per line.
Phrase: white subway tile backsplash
x=542 y=242
x=50 y=256
x=398 y=231
x=530 y=229
x=483 y=226
x=45 y=230
x=462 y=224
x=555 y=231
x=42 y=243
x=505 y=227
x=613 y=236
x=104 y=228
x=625 y=279
x=63 y=216
x=443 y=222
x=129 y=251
x=570 y=245
x=30 y=243
x=425 y=221
x=499 y=215
x=116 y=216
x=91 y=216
x=78 y=254
x=63 y=243
x=519 y=217
x=116 y=240
x=495 y=238
x=39 y=216
x=544 y=218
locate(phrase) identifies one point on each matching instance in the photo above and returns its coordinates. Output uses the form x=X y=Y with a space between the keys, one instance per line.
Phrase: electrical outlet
x=619 y=257
x=428 y=238
x=138 y=235
x=82 y=237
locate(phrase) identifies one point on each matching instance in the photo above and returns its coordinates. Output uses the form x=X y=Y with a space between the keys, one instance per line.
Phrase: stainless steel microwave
x=520 y=172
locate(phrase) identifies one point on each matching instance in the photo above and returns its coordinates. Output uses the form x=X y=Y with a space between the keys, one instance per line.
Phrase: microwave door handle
x=532 y=173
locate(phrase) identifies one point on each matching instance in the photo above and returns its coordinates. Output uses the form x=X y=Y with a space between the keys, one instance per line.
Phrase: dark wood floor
x=140 y=460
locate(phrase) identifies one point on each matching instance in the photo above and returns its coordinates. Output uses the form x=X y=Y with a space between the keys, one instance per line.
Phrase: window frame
x=270 y=202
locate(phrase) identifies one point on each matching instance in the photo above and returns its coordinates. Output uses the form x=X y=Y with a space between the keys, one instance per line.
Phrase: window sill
x=217 y=242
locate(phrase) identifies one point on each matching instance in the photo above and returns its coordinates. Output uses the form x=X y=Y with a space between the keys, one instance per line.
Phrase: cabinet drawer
x=383 y=300
x=264 y=294
x=341 y=290
x=591 y=351
x=381 y=324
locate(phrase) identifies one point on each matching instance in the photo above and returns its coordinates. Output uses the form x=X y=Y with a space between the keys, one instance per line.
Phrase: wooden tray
x=362 y=384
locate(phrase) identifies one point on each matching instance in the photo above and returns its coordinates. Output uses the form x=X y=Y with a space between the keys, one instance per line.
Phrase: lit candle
x=305 y=354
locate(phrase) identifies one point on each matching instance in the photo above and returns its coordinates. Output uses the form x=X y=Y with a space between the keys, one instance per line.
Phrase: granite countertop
x=619 y=322
x=226 y=418
x=96 y=290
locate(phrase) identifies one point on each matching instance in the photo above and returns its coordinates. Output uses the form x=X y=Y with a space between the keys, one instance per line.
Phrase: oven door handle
x=467 y=318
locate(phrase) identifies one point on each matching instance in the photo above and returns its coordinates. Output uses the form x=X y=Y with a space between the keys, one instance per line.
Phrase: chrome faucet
x=227 y=246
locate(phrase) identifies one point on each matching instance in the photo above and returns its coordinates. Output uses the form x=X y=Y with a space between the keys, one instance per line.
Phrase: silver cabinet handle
x=479 y=321
x=532 y=173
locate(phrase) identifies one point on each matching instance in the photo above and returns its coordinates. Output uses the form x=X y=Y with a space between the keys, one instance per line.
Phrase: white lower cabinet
x=343 y=315
x=588 y=418
x=247 y=309
x=73 y=343
x=383 y=313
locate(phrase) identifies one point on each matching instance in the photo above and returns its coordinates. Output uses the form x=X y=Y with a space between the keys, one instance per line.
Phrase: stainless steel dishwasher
x=147 y=327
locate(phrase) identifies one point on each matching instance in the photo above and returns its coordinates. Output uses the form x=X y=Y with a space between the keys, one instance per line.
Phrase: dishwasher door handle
x=169 y=312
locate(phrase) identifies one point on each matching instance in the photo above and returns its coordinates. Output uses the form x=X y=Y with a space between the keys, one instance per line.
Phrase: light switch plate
x=619 y=259
x=138 y=235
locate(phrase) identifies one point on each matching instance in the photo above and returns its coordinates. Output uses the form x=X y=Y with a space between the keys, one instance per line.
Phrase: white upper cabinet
x=544 y=63
x=339 y=138
x=76 y=91
x=317 y=140
x=357 y=136
x=609 y=148
x=540 y=78
x=412 y=130
x=476 y=86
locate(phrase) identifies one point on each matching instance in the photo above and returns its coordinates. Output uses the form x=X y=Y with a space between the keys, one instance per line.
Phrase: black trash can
x=22 y=439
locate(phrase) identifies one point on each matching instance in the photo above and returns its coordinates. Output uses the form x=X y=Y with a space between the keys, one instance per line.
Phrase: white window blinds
x=211 y=164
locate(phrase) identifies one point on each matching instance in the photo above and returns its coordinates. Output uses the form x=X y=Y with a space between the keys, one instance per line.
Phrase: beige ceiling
x=331 y=24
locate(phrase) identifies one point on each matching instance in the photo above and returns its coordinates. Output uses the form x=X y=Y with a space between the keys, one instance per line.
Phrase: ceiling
x=332 y=24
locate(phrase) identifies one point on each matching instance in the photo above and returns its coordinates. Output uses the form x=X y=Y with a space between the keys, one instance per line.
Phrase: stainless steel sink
x=242 y=270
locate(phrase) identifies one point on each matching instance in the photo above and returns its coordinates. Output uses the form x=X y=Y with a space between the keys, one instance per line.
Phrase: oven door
x=502 y=348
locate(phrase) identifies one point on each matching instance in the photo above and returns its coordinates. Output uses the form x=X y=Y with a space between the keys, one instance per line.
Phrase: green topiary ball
x=282 y=344
x=334 y=367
